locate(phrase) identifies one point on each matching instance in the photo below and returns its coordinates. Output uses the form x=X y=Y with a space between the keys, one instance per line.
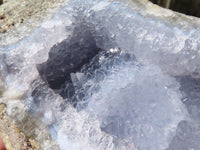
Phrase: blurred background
x=189 y=7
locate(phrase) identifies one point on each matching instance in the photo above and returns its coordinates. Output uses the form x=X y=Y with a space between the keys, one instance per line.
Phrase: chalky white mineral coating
x=137 y=105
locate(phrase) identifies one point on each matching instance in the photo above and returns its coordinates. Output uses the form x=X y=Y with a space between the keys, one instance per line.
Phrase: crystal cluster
x=107 y=75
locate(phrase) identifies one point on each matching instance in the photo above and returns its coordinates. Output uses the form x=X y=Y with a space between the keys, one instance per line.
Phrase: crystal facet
x=106 y=75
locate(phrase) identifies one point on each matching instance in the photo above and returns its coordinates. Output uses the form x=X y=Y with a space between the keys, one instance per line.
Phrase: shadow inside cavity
x=69 y=56
x=190 y=89
x=188 y=132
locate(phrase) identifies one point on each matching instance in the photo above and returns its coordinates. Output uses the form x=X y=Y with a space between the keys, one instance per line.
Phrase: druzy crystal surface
x=106 y=75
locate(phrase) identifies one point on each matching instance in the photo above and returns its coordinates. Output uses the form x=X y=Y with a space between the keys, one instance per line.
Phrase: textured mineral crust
x=102 y=74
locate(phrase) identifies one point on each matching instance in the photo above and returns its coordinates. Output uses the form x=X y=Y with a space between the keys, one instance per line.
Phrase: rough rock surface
x=24 y=14
x=12 y=136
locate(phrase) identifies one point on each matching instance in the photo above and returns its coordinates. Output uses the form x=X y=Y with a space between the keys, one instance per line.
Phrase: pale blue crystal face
x=101 y=75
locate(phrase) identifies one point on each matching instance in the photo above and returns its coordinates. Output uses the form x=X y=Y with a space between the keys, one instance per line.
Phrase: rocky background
x=189 y=7
x=14 y=13
x=26 y=14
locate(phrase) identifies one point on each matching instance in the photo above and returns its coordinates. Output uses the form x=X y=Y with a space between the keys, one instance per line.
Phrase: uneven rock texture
x=12 y=136
x=25 y=14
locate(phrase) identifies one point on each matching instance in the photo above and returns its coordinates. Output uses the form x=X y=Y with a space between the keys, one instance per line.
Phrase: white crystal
x=126 y=69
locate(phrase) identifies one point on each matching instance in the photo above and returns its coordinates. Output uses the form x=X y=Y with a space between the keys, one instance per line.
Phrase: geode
x=106 y=75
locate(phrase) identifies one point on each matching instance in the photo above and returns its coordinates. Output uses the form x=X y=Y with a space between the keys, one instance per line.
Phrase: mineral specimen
x=106 y=75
